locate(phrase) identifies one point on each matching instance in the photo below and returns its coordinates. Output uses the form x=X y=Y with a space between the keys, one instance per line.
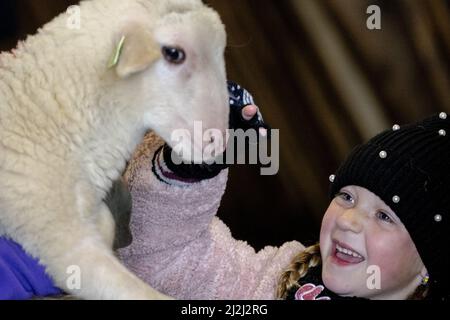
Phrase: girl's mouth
x=343 y=255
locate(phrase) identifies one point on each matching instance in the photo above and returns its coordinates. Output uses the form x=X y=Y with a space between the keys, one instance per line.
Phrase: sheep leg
x=84 y=265
x=106 y=224
x=102 y=276
x=75 y=249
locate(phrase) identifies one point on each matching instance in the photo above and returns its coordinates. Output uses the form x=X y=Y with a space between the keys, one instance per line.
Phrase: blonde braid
x=310 y=257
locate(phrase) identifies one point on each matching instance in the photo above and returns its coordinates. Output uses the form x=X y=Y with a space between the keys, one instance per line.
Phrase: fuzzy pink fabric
x=182 y=249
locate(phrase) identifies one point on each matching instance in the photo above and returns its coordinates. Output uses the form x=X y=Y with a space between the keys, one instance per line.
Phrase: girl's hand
x=244 y=113
x=249 y=112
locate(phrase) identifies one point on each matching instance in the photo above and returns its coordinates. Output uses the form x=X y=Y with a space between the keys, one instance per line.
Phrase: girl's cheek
x=329 y=219
x=328 y=222
x=390 y=253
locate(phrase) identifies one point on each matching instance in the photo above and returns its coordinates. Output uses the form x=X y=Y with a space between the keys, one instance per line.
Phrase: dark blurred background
x=322 y=78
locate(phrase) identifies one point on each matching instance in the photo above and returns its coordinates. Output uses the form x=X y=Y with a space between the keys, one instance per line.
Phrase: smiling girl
x=389 y=213
x=359 y=232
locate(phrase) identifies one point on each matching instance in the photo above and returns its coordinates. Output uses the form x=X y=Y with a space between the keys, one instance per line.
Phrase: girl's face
x=366 y=250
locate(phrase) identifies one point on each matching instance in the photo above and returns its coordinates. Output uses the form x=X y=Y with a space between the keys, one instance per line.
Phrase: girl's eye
x=345 y=197
x=384 y=217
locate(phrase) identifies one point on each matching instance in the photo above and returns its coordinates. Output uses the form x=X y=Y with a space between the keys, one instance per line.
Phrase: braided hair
x=299 y=267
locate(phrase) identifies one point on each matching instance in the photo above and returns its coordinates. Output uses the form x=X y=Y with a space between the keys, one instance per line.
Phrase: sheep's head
x=178 y=73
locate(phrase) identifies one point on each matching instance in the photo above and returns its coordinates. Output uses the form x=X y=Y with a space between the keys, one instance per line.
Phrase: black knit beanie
x=408 y=167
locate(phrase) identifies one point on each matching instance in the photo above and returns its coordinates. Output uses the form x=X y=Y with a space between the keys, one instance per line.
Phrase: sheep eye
x=174 y=55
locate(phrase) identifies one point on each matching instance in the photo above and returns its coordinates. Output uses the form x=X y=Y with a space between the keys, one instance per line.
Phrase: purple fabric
x=21 y=276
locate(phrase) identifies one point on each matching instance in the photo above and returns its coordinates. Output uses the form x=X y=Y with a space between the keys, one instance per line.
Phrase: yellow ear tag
x=116 y=55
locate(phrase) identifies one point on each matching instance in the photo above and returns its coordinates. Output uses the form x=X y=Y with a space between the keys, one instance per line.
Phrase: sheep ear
x=136 y=51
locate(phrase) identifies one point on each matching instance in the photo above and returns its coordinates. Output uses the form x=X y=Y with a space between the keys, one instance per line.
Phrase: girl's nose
x=350 y=220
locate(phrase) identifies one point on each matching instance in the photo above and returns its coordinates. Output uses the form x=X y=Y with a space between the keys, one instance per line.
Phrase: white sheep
x=68 y=124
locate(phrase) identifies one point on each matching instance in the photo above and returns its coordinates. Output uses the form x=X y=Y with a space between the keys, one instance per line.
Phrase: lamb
x=68 y=124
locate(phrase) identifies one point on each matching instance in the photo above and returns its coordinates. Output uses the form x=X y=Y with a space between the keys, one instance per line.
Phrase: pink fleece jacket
x=182 y=249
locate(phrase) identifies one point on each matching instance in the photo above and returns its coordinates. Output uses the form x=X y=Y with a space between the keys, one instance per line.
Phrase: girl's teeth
x=347 y=251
